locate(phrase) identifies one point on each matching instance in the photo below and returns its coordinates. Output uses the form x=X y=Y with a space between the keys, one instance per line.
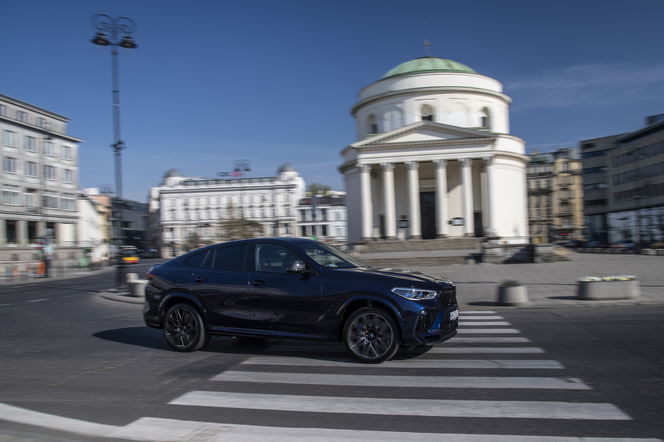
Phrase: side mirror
x=297 y=267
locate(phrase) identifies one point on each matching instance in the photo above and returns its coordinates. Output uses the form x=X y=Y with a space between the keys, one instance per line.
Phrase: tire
x=184 y=329
x=371 y=335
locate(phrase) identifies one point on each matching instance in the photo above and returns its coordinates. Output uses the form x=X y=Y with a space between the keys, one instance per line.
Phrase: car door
x=220 y=282
x=282 y=302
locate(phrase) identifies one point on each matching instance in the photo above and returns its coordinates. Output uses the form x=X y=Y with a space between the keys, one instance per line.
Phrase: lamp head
x=128 y=43
x=101 y=39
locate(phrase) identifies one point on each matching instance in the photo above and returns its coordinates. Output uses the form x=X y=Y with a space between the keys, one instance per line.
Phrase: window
x=303 y=230
x=485 y=117
x=565 y=166
x=66 y=152
x=30 y=144
x=29 y=197
x=272 y=258
x=3 y=110
x=67 y=176
x=427 y=113
x=11 y=195
x=68 y=201
x=323 y=230
x=303 y=216
x=323 y=214
x=22 y=116
x=42 y=122
x=9 y=138
x=49 y=149
x=373 y=126
x=229 y=258
x=9 y=165
x=30 y=168
x=49 y=172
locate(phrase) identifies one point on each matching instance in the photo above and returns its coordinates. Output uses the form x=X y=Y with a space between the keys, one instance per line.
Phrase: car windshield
x=329 y=257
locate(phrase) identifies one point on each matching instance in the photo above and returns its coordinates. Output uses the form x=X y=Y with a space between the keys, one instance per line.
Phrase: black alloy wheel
x=184 y=329
x=371 y=335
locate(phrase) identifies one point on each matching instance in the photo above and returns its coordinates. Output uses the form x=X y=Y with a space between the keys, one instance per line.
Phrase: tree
x=238 y=227
x=192 y=241
x=318 y=189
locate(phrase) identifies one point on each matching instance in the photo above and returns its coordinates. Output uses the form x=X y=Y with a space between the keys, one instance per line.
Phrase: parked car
x=296 y=288
x=129 y=254
x=623 y=244
x=597 y=244
x=574 y=243
x=659 y=245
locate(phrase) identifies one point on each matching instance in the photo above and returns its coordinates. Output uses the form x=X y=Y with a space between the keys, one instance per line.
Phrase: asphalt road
x=97 y=373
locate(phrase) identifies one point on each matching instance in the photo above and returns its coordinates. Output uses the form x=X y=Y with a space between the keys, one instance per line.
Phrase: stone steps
x=405 y=263
x=422 y=245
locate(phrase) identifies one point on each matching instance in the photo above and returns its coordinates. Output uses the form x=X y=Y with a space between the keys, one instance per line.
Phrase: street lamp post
x=116 y=26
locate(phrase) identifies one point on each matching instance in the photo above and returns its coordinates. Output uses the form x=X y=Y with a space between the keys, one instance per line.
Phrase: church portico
x=411 y=176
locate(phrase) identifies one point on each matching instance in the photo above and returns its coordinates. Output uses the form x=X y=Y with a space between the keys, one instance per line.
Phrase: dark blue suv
x=295 y=288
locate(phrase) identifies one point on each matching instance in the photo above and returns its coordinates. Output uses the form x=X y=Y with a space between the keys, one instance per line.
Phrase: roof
x=427 y=64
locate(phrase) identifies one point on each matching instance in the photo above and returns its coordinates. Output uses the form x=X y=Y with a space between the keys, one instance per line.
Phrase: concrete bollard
x=512 y=295
x=131 y=277
x=137 y=288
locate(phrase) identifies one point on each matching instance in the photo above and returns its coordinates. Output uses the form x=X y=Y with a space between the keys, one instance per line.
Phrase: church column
x=490 y=225
x=467 y=188
x=441 y=198
x=367 y=206
x=388 y=197
x=414 y=200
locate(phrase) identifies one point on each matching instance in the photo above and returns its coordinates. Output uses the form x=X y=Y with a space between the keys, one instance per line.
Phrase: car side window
x=197 y=259
x=230 y=258
x=273 y=258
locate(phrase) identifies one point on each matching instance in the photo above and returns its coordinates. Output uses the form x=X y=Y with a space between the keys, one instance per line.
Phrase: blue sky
x=272 y=82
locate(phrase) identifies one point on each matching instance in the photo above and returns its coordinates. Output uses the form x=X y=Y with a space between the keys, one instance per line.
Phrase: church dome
x=285 y=168
x=425 y=65
x=172 y=173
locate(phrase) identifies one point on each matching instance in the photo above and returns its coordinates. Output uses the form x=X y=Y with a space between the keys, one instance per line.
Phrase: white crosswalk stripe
x=496 y=331
x=404 y=407
x=413 y=363
x=480 y=317
x=356 y=380
x=486 y=340
x=484 y=350
x=489 y=323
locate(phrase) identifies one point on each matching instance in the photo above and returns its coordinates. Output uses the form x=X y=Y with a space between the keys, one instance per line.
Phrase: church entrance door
x=428 y=214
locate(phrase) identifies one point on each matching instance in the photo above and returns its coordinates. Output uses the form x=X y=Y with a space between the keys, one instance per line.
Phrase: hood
x=402 y=274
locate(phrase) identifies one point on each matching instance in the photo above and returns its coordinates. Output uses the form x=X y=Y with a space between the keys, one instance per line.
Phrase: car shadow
x=329 y=351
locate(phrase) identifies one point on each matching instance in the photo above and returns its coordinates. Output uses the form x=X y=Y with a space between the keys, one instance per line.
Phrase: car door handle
x=260 y=283
x=201 y=279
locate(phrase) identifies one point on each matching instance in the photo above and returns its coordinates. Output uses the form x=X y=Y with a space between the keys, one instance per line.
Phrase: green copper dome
x=427 y=64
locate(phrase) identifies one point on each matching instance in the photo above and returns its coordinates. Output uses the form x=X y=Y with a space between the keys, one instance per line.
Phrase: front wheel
x=371 y=335
x=184 y=329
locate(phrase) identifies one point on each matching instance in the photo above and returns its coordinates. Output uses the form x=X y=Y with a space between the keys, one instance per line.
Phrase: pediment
x=423 y=132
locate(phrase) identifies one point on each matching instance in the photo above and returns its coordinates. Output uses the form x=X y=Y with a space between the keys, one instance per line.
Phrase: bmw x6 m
x=295 y=288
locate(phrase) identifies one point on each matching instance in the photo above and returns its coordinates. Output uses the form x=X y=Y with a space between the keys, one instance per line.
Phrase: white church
x=434 y=158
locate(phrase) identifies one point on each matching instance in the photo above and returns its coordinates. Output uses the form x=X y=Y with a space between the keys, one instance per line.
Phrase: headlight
x=414 y=294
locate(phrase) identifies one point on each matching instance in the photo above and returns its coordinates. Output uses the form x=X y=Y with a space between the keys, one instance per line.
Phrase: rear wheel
x=371 y=335
x=184 y=329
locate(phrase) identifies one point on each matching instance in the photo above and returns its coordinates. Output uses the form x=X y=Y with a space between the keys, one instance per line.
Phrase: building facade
x=434 y=157
x=92 y=232
x=323 y=218
x=39 y=182
x=192 y=204
x=555 y=195
x=628 y=169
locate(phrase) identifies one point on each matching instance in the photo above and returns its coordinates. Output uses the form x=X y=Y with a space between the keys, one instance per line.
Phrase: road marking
x=466 y=317
x=356 y=380
x=457 y=350
x=413 y=363
x=150 y=429
x=457 y=340
x=491 y=331
x=476 y=323
x=5 y=305
x=38 y=300
x=404 y=407
x=477 y=312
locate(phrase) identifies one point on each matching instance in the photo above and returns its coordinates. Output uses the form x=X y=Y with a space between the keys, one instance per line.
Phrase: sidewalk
x=549 y=285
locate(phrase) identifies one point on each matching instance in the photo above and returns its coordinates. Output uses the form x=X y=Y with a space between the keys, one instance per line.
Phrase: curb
x=122 y=297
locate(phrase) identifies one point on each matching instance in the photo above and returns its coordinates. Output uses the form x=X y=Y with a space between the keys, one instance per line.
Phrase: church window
x=373 y=125
x=485 y=116
x=427 y=113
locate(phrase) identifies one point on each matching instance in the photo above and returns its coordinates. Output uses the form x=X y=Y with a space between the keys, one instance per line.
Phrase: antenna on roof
x=427 y=49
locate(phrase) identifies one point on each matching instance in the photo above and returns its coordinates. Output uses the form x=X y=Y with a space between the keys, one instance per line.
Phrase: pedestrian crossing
x=280 y=380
